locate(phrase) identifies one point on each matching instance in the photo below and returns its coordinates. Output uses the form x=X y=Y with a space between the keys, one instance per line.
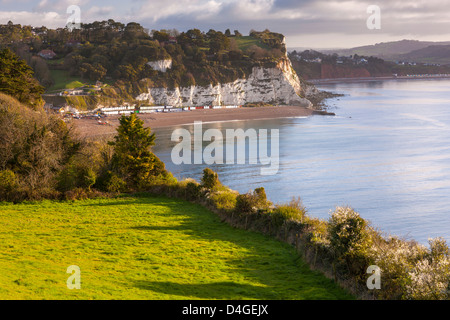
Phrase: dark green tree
x=133 y=159
x=16 y=79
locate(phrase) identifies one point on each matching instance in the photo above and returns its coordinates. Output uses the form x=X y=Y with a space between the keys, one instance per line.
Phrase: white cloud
x=49 y=19
x=307 y=18
x=156 y=10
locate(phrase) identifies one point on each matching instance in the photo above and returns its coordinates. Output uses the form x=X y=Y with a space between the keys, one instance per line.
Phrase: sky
x=306 y=24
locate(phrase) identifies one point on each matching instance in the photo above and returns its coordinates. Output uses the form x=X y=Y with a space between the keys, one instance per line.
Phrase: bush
x=294 y=210
x=224 y=200
x=192 y=191
x=76 y=194
x=348 y=232
x=252 y=202
x=261 y=198
x=245 y=204
x=76 y=176
x=87 y=178
x=210 y=179
x=8 y=185
x=429 y=280
x=110 y=182
x=430 y=277
x=350 y=240
x=395 y=258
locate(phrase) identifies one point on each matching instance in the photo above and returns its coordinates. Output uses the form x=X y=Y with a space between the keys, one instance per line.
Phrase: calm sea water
x=386 y=153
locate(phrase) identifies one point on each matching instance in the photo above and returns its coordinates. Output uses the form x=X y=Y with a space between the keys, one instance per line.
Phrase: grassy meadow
x=246 y=42
x=63 y=80
x=145 y=247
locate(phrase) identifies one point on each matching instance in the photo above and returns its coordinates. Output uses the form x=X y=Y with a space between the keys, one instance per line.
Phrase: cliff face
x=278 y=85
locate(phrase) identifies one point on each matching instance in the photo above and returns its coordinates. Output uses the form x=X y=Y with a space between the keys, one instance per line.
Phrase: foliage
x=16 y=80
x=294 y=210
x=34 y=146
x=348 y=232
x=8 y=185
x=252 y=201
x=210 y=179
x=430 y=277
x=133 y=160
x=224 y=200
x=112 y=51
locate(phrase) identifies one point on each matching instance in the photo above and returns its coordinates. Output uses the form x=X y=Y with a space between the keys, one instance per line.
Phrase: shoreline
x=90 y=128
x=367 y=79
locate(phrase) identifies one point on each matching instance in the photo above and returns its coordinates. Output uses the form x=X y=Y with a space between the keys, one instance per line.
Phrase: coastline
x=367 y=79
x=90 y=128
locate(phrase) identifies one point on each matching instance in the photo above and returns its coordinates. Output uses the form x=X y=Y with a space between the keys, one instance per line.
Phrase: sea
x=386 y=154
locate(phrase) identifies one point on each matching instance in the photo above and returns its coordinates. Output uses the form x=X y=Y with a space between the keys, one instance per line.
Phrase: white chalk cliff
x=161 y=65
x=278 y=85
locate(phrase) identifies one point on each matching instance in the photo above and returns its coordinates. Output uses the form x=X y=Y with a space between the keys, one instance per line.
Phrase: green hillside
x=387 y=50
x=431 y=54
x=145 y=247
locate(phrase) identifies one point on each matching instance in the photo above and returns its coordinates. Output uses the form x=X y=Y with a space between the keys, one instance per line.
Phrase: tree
x=16 y=79
x=33 y=145
x=161 y=36
x=210 y=179
x=133 y=160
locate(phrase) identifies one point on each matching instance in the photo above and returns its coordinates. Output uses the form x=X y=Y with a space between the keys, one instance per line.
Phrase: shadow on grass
x=226 y=290
x=274 y=266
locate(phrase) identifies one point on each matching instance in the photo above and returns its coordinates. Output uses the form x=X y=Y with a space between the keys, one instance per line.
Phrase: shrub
x=245 y=203
x=210 y=179
x=87 y=177
x=348 y=232
x=294 y=210
x=76 y=176
x=224 y=200
x=261 y=198
x=438 y=249
x=395 y=258
x=430 y=277
x=350 y=240
x=252 y=201
x=75 y=194
x=8 y=185
x=192 y=191
x=111 y=182
x=429 y=280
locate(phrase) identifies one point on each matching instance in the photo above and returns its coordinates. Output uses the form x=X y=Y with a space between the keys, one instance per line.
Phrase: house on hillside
x=47 y=54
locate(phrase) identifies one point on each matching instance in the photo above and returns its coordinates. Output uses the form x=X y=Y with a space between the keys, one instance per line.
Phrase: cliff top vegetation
x=115 y=53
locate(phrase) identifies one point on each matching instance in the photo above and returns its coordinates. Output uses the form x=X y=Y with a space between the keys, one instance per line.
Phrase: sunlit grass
x=246 y=42
x=62 y=80
x=145 y=248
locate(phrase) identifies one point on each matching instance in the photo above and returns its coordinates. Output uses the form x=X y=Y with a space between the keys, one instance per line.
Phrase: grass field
x=246 y=42
x=145 y=247
x=63 y=80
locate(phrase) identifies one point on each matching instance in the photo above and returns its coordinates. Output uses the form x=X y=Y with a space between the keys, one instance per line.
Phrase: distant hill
x=390 y=50
x=432 y=54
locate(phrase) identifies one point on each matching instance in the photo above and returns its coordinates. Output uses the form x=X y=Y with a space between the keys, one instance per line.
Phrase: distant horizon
x=303 y=48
